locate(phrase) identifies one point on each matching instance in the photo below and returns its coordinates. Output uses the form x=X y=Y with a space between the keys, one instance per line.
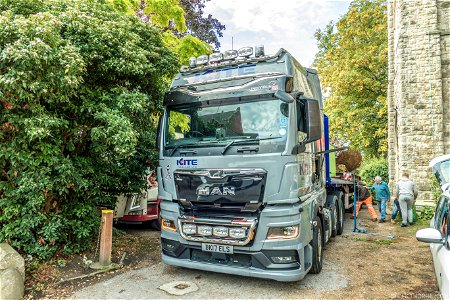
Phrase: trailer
x=244 y=167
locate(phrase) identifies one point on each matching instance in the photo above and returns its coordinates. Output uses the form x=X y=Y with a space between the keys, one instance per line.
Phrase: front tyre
x=317 y=247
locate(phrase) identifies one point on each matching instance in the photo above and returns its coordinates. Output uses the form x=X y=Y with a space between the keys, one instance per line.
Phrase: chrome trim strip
x=250 y=224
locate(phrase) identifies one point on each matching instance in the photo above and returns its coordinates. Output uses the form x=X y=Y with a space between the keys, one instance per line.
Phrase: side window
x=441 y=216
x=437 y=213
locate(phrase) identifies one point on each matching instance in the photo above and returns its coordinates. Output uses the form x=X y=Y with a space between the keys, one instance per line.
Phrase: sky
x=276 y=24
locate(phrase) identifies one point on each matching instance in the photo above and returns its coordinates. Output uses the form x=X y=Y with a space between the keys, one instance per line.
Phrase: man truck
x=243 y=180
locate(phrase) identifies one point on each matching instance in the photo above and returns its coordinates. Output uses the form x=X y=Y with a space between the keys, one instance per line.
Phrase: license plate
x=217 y=248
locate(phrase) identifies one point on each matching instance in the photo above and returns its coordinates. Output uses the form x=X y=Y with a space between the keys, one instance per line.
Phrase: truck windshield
x=203 y=125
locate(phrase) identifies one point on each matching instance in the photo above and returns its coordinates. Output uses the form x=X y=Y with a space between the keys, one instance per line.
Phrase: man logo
x=216 y=191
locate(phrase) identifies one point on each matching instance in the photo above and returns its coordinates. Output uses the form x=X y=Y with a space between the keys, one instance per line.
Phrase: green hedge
x=374 y=167
x=79 y=84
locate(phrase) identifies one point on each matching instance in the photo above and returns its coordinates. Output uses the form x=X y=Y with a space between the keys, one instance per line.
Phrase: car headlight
x=237 y=233
x=285 y=232
x=189 y=228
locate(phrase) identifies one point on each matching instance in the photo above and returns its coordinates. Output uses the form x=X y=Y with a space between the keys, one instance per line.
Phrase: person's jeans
x=396 y=210
x=382 y=208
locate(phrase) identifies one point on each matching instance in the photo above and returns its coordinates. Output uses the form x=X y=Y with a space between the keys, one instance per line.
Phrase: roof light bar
x=202 y=60
x=192 y=62
x=259 y=50
x=245 y=52
x=230 y=54
x=215 y=57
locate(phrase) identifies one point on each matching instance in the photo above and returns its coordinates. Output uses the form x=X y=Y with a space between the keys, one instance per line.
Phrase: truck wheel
x=157 y=223
x=335 y=216
x=317 y=247
x=341 y=214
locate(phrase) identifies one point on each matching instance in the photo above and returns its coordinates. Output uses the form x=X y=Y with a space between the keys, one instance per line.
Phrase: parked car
x=438 y=235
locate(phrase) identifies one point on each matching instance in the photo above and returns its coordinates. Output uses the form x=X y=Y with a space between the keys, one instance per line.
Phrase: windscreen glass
x=219 y=124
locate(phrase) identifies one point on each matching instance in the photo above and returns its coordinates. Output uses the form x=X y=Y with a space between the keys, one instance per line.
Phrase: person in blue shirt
x=383 y=195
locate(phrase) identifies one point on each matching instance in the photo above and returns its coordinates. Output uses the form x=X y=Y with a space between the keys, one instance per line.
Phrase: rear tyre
x=341 y=214
x=335 y=217
x=157 y=223
x=317 y=247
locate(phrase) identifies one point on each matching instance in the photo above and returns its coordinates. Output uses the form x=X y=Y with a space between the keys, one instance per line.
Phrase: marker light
x=259 y=50
x=215 y=57
x=202 y=60
x=184 y=68
x=284 y=233
x=192 y=62
x=245 y=52
x=230 y=54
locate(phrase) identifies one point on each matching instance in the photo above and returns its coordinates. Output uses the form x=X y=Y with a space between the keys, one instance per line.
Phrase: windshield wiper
x=198 y=144
x=247 y=140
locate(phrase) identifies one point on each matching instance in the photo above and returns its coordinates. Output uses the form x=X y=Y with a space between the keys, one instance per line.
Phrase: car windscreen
x=220 y=122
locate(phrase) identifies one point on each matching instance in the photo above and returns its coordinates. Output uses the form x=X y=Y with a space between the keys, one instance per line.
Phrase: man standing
x=383 y=195
x=406 y=195
x=363 y=196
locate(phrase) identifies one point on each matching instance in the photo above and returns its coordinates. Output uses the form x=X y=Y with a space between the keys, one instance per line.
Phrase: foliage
x=79 y=83
x=207 y=29
x=374 y=167
x=426 y=213
x=352 y=63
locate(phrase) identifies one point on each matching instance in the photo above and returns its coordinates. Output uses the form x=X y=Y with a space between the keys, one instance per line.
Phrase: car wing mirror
x=430 y=235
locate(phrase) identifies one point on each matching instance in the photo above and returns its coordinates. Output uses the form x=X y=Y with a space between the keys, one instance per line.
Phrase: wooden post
x=106 y=238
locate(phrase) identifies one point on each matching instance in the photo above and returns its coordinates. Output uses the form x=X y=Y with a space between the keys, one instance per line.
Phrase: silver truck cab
x=241 y=176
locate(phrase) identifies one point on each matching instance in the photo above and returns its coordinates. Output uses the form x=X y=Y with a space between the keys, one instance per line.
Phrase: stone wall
x=418 y=91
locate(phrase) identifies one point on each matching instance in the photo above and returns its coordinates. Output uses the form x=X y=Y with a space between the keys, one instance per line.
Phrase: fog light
x=237 y=233
x=283 y=259
x=285 y=232
x=259 y=51
x=189 y=228
x=215 y=57
x=245 y=52
x=168 y=225
x=202 y=60
x=192 y=62
x=230 y=54
x=204 y=230
x=220 y=231
x=135 y=213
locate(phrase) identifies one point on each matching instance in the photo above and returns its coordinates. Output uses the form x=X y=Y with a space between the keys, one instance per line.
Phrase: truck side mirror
x=313 y=121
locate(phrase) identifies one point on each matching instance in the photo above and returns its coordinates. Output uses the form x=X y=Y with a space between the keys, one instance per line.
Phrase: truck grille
x=236 y=232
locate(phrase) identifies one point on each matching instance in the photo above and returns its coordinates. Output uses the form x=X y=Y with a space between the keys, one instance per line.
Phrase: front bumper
x=254 y=264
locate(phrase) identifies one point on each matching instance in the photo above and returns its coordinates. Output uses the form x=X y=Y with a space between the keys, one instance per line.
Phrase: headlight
x=237 y=233
x=168 y=225
x=285 y=232
x=220 y=231
x=189 y=228
x=204 y=230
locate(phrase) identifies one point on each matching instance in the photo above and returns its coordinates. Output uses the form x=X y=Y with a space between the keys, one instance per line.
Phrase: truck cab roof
x=245 y=77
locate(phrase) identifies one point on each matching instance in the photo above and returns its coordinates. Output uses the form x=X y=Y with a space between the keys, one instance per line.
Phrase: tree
x=207 y=29
x=79 y=84
x=352 y=63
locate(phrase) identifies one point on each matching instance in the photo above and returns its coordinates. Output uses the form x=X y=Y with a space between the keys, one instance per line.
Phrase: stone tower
x=418 y=92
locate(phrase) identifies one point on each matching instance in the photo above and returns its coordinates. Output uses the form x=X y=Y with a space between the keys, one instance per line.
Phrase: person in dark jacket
x=364 y=196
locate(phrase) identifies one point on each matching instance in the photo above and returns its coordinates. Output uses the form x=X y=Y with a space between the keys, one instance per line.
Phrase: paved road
x=145 y=283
